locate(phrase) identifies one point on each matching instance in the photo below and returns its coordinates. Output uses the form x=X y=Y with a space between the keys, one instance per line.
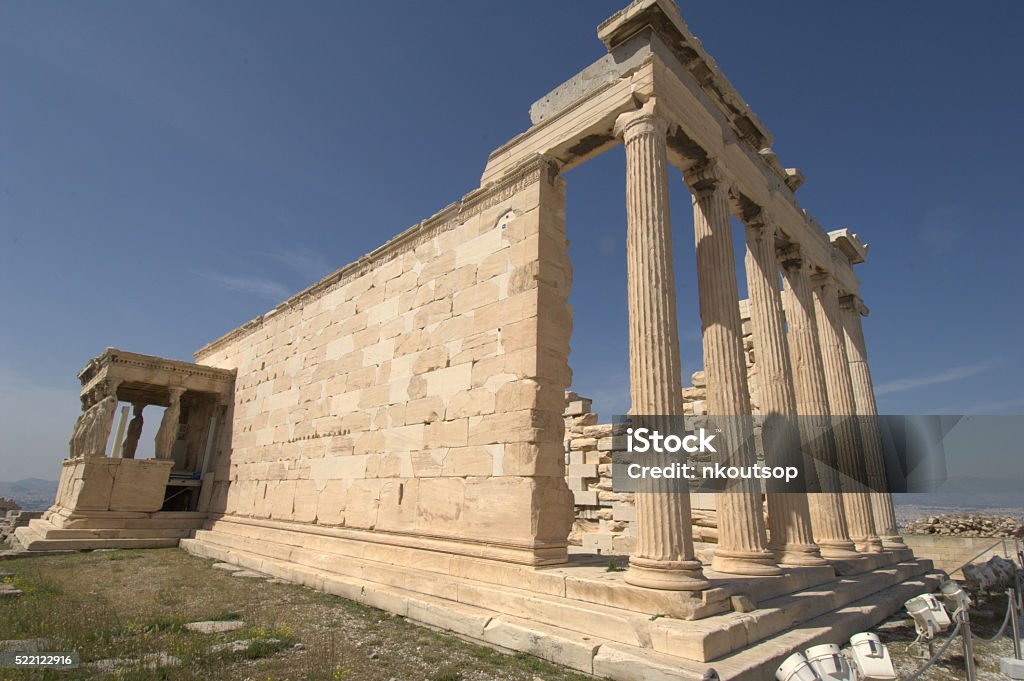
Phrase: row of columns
x=811 y=356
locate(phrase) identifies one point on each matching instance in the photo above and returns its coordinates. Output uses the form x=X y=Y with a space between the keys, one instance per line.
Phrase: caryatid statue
x=81 y=424
x=89 y=436
x=131 y=440
x=99 y=431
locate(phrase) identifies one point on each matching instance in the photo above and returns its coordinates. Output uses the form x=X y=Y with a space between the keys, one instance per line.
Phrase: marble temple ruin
x=396 y=433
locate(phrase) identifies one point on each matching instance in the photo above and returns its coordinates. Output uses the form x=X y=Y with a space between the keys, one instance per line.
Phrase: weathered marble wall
x=419 y=390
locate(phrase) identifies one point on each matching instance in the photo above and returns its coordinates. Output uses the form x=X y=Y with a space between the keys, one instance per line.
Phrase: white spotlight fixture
x=796 y=668
x=828 y=663
x=871 y=658
x=954 y=596
x=930 y=617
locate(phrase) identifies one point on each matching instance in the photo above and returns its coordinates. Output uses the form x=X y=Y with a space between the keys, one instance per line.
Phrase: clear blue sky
x=169 y=170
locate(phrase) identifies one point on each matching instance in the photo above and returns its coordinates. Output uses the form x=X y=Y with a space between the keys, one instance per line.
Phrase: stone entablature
x=137 y=375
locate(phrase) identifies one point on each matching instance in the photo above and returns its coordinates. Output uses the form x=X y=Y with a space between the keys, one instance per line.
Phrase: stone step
x=714 y=637
x=550 y=642
x=612 y=623
x=701 y=640
x=131 y=521
x=593 y=584
x=49 y=531
x=586 y=652
x=31 y=540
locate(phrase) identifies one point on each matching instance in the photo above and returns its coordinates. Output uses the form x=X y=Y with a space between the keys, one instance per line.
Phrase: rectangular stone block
x=585 y=498
x=582 y=470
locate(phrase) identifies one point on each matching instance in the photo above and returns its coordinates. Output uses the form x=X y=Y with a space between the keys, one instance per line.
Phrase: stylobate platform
x=579 y=614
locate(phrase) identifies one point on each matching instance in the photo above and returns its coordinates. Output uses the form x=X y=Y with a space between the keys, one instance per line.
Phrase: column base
x=837 y=550
x=870 y=544
x=670 y=575
x=893 y=542
x=754 y=563
x=798 y=555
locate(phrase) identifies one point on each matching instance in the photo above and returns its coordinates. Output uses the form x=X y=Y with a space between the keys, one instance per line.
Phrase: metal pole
x=965 y=633
x=1012 y=603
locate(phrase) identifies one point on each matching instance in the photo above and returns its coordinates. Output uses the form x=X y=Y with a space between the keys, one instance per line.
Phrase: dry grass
x=132 y=604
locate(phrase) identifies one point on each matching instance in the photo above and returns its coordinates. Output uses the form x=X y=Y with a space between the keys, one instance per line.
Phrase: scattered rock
x=240 y=646
x=968 y=525
x=215 y=627
x=154 y=661
x=225 y=566
x=25 y=645
x=299 y=646
x=373 y=655
x=249 y=574
x=996 y=574
x=8 y=591
x=232 y=646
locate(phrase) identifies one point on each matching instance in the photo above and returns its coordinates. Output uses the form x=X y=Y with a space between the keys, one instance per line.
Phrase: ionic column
x=849 y=454
x=742 y=541
x=867 y=411
x=828 y=515
x=789 y=518
x=664 y=557
x=168 y=431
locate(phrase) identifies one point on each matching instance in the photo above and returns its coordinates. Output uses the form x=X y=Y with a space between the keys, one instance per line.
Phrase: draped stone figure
x=131 y=439
x=100 y=425
x=74 y=444
x=168 y=431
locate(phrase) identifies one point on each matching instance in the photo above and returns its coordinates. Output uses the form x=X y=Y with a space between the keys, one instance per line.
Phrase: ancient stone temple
x=395 y=433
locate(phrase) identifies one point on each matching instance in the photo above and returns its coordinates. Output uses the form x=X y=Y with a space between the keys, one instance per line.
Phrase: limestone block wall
x=949 y=553
x=603 y=517
x=419 y=390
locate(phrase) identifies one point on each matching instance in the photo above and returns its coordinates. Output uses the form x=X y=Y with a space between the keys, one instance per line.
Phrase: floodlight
x=796 y=668
x=954 y=596
x=828 y=663
x=871 y=658
x=930 y=617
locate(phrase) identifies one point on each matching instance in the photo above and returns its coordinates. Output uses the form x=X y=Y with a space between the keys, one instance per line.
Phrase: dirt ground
x=131 y=607
x=125 y=612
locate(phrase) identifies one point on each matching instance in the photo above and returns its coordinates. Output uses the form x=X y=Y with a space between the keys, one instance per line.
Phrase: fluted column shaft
x=789 y=519
x=867 y=411
x=664 y=557
x=828 y=515
x=742 y=540
x=849 y=453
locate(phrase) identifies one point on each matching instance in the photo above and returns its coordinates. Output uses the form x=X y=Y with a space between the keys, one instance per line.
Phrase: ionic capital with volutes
x=647 y=120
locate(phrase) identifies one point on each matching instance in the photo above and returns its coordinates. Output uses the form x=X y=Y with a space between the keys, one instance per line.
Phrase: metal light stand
x=1013 y=667
x=1013 y=603
x=965 y=635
